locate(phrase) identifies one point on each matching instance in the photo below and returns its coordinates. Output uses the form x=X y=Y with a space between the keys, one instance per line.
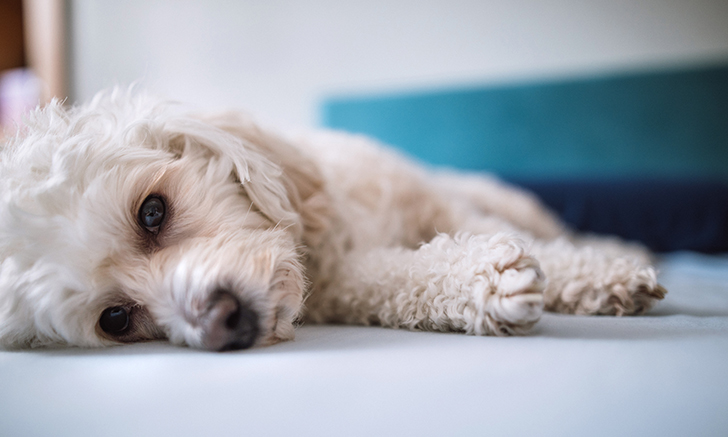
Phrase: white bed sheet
x=662 y=374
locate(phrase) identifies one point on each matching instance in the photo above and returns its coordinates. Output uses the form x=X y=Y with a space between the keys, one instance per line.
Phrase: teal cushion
x=665 y=123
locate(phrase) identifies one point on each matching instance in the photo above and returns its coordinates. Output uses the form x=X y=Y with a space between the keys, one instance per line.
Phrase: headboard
x=642 y=155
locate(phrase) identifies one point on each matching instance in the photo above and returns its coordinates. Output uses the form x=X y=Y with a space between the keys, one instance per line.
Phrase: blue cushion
x=664 y=214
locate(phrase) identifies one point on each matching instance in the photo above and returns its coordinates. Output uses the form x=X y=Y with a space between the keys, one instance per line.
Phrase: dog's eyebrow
x=157 y=177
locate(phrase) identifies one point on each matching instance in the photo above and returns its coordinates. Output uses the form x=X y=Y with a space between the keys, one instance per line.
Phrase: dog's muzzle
x=228 y=323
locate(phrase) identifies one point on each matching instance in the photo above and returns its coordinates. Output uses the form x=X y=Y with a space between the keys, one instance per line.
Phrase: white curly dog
x=123 y=220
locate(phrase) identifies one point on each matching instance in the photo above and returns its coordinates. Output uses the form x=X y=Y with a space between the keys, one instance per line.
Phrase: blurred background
x=614 y=111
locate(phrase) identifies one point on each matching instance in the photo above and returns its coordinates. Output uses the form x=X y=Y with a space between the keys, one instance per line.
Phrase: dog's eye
x=151 y=214
x=114 y=320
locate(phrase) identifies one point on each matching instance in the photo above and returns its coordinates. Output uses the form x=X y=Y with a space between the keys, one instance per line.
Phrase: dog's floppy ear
x=301 y=176
x=280 y=180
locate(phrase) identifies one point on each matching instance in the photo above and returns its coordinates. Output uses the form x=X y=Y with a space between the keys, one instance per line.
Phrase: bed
x=662 y=374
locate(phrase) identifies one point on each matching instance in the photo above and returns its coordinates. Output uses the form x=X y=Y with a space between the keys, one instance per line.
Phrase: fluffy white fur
x=328 y=227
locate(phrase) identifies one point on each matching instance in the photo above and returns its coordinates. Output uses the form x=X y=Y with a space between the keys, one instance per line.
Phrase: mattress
x=662 y=374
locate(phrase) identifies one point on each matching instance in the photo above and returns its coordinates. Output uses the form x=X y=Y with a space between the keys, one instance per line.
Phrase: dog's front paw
x=517 y=302
x=622 y=289
x=646 y=297
x=508 y=292
x=634 y=296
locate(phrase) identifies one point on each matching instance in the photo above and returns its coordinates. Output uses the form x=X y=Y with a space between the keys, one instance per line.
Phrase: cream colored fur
x=326 y=227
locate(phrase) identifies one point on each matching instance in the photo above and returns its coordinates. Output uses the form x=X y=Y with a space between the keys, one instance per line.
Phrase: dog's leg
x=468 y=283
x=586 y=275
x=597 y=276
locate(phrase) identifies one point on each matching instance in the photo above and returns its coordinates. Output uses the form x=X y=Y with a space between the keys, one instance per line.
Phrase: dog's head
x=121 y=221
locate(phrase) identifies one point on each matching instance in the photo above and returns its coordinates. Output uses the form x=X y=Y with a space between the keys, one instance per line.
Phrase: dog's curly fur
x=327 y=227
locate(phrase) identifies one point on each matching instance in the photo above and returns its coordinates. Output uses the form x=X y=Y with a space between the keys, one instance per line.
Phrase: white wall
x=280 y=58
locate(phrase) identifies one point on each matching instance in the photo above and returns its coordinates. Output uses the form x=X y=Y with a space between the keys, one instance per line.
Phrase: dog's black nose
x=228 y=323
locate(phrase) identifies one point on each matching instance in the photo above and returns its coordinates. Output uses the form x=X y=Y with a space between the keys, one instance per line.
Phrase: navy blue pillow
x=666 y=215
